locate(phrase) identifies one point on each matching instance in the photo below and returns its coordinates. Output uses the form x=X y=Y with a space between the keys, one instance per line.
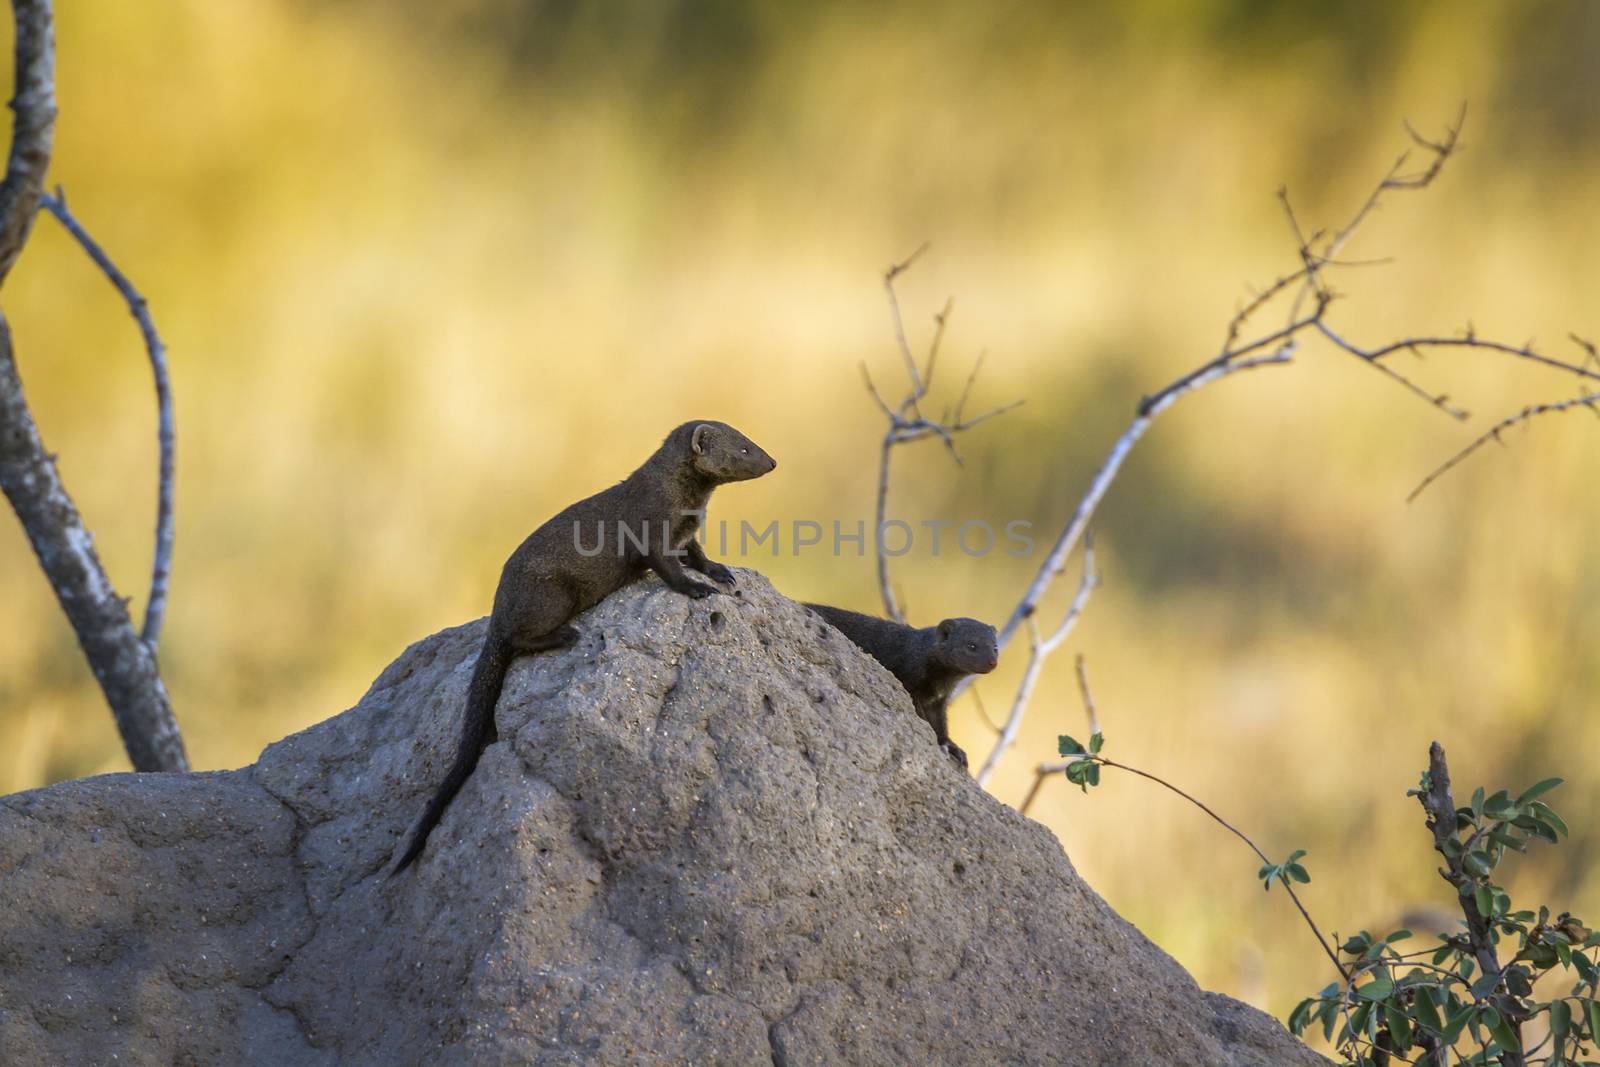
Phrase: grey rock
x=711 y=833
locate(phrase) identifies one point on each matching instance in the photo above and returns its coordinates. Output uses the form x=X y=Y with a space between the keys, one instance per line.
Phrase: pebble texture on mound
x=712 y=833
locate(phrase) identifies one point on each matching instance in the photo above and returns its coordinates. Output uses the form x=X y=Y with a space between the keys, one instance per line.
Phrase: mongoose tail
x=477 y=733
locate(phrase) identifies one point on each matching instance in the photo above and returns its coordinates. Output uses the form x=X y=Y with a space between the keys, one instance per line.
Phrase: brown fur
x=548 y=580
x=929 y=662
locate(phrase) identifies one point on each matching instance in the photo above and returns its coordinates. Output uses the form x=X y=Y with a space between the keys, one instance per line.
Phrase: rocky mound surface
x=711 y=833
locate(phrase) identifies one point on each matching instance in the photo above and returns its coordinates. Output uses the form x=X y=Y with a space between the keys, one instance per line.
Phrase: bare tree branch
x=122 y=663
x=161 y=570
x=33 y=132
x=1590 y=401
x=1316 y=251
x=1040 y=650
x=907 y=422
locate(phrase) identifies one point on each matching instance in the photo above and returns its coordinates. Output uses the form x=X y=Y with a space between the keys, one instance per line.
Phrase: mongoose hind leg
x=559 y=638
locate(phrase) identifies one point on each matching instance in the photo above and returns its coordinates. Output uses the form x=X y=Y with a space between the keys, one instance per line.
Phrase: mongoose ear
x=697 y=439
x=944 y=629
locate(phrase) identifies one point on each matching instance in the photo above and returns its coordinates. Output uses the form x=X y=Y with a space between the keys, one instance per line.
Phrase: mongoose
x=928 y=662
x=584 y=554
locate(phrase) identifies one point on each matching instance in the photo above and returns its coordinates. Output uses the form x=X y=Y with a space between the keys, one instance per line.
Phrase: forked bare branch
x=906 y=421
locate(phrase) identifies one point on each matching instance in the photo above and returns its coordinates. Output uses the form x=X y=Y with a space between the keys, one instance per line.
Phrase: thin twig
x=906 y=421
x=161 y=570
x=1046 y=769
x=1591 y=401
x=894 y=271
x=983 y=711
x=1088 y=697
x=1040 y=650
x=1415 y=345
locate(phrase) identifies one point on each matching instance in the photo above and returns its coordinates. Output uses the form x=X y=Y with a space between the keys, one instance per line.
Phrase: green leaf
x=1560 y=1019
x=1545 y=814
x=1477 y=803
x=1517 y=981
x=1359 y=1017
x=1478 y=863
x=1096 y=741
x=1486 y=983
x=1398 y=935
x=1068 y=747
x=1298 y=873
x=1357 y=943
x=1300 y=1016
x=1483 y=896
x=1458 y=1021
x=1399 y=1026
x=1592 y=1009
x=1500 y=1030
x=1427 y=1015
x=1499 y=806
x=1376 y=989
x=1538 y=789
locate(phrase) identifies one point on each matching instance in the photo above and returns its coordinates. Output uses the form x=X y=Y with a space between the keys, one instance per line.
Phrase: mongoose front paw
x=699 y=590
x=954 y=751
x=718 y=573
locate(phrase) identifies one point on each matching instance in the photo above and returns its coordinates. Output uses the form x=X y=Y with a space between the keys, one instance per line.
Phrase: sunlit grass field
x=425 y=281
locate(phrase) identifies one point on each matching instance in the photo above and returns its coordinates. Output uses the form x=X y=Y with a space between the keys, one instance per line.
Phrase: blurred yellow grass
x=416 y=303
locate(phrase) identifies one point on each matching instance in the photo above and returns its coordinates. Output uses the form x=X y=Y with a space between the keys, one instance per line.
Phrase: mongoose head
x=722 y=453
x=967 y=645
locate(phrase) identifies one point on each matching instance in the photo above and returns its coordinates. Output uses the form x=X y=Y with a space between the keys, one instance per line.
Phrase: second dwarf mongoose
x=928 y=661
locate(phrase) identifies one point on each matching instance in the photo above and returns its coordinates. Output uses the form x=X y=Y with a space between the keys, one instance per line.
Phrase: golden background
x=429 y=271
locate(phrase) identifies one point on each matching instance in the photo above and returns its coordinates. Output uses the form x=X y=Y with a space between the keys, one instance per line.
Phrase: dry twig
x=1039 y=650
x=161 y=570
x=906 y=421
x=1054 y=767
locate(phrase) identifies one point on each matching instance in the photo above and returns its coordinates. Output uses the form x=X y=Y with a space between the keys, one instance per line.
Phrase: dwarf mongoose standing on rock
x=928 y=662
x=646 y=522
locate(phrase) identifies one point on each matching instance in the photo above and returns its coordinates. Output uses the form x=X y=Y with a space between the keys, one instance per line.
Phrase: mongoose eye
x=744 y=451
